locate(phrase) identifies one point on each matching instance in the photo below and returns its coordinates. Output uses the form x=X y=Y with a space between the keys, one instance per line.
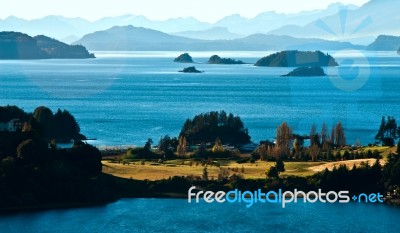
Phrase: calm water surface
x=172 y=215
x=123 y=99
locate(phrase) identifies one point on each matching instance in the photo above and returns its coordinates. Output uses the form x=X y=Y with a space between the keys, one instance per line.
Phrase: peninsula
x=17 y=45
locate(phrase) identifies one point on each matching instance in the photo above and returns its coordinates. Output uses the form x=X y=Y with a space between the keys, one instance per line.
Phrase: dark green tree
x=44 y=116
x=147 y=145
x=66 y=126
x=280 y=166
x=33 y=151
x=207 y=127
x=388 y=132
x=86 y=157
x=272 y=173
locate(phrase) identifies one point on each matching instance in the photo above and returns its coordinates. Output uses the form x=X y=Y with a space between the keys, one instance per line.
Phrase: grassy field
x=156 y=171
x=179 y=167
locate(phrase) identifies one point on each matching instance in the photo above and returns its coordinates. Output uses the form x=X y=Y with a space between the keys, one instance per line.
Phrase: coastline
x=124 y=188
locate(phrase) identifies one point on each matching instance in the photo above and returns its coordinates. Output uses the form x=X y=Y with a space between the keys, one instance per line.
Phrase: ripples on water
x=175 y=215
x=123 y=99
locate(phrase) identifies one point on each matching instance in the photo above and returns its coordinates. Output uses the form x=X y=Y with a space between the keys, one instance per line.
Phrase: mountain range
x=359 y=25
x=129 y=38
x=336 y=22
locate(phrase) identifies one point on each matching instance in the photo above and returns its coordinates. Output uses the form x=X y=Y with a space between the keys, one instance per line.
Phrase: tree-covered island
x=215 y=59
x=184 y=58
x=295 y=58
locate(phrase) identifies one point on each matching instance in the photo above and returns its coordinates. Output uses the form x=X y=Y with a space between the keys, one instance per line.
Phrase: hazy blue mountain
x=17 y=45
x=376 y=17
x=385 y=43
x=265 y=22
x=129 y=38
x=133 y=38
x=170 y=25
x=69 y=39
x=63 y=28
x=338 y=22
x=277 y=43
x=54 y=26
x=215 y=33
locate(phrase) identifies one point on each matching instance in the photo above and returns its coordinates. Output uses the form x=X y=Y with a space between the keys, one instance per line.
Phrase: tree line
x=208 y=134
x=34 y=171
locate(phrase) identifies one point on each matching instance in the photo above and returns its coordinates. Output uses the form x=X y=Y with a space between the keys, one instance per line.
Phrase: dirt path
x=349 y=164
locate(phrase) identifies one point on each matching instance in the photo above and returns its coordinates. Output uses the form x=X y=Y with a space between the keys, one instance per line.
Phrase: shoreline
x=69 y=206
x=127 y=189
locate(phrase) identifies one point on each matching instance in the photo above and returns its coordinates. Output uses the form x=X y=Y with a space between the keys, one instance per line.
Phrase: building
x=13 y=125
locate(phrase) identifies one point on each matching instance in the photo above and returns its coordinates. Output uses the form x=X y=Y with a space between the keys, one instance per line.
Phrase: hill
x=215 y=33
x=215 y=59
x=376 y=17
x=306 y=72
x=385 y=43
x=57 y=49
x=184 y=58
x=16 y=45
x=294 y=58
x=129 y=38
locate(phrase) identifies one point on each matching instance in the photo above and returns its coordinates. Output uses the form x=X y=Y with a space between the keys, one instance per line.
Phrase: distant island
x=215 y=59
x=398 y=51
x=190 y=69
x=184 y=58
x=385 y=43
x=294 y=58
x=17 y=45
x=306 y=72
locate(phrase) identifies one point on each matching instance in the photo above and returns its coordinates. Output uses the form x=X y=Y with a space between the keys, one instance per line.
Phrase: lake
x=125 y=98
x=177 y=215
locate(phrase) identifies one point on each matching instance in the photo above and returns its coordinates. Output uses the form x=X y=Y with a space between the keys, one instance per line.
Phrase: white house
x=13 y=125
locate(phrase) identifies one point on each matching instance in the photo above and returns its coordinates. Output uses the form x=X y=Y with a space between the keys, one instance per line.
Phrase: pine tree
x=182 y=146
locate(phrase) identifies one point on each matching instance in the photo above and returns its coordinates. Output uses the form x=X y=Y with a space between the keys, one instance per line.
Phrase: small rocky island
x=191 y=69
x=17 y=45
x=306 y=72
x=184 y=58
x=294 y=58
x=398 y=51
x=215 y=59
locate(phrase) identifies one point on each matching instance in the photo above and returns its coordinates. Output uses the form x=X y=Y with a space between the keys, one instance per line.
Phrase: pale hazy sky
x=205 y=10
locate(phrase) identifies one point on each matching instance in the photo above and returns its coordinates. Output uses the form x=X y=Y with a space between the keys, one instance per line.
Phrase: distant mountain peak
x=130 y=38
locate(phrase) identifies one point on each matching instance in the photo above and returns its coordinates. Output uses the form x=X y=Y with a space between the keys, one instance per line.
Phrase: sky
x=204 y=10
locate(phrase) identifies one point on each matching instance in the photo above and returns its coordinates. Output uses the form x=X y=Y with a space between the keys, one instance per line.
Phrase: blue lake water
x=176 y=215
x=125 y=98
